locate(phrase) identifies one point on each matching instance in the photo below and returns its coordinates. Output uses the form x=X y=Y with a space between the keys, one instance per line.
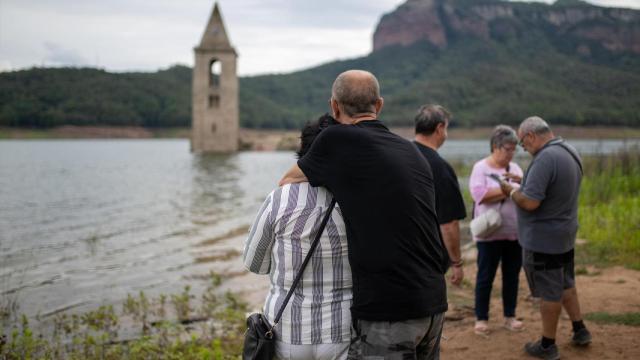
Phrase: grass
x=609 y=209
x=628 y=319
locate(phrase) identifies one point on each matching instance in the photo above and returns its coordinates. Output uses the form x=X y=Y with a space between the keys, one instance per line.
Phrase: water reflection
x=215 y=194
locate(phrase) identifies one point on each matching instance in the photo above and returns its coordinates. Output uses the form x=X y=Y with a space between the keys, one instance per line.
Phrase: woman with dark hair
x=316 y=321
x=501 y=245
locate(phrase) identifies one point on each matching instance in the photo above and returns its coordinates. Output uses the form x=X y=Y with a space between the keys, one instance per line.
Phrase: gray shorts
x=409 y=339
x=549 y=275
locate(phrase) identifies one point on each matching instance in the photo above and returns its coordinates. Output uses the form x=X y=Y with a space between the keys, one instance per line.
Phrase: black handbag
x=259 y=342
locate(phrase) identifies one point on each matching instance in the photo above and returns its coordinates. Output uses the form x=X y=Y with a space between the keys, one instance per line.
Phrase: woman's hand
x=513 y=177
x=506 y=188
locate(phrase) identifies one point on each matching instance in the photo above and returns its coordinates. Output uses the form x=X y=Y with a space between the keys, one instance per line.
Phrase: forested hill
x=488 y=61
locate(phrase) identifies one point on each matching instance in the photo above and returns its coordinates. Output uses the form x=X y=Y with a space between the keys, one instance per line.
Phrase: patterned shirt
x=319 y=310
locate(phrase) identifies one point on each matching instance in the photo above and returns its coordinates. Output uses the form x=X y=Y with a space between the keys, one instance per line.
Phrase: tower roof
x=215 y=35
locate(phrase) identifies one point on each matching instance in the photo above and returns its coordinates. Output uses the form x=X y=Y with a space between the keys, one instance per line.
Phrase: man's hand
x=513 y=177
x=451 y=238
x=506 y=188
x=457 y=274
x=293 y=176
x=518 y=197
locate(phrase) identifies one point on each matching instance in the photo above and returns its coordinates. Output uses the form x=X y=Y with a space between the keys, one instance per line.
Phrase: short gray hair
x=357 y=91
x=428 y=118
x=534 y=124
x=502 y=135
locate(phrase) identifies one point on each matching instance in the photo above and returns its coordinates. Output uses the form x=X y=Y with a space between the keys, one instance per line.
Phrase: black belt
x=542 y=261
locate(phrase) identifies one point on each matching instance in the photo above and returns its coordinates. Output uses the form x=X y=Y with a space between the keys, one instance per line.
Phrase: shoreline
x=274 y=139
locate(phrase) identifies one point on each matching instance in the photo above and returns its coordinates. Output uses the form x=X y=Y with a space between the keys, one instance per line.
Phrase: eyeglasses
x=521 y=140
x=509 y=149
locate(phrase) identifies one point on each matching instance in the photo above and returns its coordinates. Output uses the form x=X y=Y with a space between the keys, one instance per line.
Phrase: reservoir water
x=85 y=222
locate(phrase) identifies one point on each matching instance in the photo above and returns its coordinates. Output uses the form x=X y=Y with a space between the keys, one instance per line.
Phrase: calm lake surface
x=83 y=223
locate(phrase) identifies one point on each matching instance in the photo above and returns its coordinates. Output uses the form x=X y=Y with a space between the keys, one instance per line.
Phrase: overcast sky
x=140 y=35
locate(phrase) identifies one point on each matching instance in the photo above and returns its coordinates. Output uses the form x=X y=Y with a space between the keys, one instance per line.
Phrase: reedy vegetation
x=609 y=211
x=211 y=328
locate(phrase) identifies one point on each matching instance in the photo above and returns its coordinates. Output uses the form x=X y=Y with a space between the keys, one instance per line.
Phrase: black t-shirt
x=449 y=203
x=385 y=191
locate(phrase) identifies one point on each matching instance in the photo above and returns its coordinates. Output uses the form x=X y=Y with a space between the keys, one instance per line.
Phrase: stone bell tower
x=214 y=124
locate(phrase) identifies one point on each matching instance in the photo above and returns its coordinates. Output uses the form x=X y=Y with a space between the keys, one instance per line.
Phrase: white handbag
x=487 y=223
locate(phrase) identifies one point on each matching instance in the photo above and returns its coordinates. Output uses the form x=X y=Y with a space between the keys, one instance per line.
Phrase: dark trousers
x=409 y=339
x=491 y=253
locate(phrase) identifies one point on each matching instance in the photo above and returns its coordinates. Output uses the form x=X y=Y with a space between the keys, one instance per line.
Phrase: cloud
x=125 y=35
x=58 y=55
x=5 y=65
x=270 y=35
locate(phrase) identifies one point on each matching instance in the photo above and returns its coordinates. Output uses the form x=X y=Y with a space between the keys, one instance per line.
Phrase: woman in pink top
x=501 y=246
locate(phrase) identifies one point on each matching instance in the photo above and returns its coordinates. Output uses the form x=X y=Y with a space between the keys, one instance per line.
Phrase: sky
x=270 y=36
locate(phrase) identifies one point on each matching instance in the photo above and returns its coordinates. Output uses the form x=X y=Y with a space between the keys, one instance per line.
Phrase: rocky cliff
x=568 y=23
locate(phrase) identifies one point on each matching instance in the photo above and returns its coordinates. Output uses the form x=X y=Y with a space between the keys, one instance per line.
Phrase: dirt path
x=614 y=290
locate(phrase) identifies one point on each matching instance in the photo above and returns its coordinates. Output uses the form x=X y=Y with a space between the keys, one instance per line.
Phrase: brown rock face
x=437 y=21
x=413 y=21
x=613 y=38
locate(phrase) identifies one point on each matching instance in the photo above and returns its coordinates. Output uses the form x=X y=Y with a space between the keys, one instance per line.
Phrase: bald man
x=547 y=205
x=386 y=194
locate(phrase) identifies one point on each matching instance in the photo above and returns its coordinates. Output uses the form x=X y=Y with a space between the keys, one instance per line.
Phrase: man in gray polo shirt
x=547 y=225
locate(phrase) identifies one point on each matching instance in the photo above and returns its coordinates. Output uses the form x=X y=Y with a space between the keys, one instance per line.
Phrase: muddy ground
x=614 y=290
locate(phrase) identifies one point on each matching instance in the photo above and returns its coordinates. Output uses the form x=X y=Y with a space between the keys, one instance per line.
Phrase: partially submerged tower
x=215 y=121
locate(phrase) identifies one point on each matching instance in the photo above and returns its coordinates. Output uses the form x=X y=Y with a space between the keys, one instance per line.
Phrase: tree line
x=482 y=82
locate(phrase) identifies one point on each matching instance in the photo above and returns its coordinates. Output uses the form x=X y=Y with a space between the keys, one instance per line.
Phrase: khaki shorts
x=549 y=275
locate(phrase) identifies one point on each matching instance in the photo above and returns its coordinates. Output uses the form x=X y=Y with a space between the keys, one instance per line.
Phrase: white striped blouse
x=318 y=312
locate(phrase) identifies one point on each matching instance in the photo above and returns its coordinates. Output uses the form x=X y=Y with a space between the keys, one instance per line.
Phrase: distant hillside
x=68 y=96
x=488 y=61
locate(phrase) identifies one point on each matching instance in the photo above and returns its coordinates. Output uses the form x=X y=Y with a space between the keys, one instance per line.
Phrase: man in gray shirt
x=547 y=225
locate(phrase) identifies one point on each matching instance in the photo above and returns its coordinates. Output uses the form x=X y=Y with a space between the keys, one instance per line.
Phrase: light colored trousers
x=286 y=351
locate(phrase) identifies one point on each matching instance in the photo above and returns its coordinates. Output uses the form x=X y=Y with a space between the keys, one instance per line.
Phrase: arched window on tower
x=215 y=69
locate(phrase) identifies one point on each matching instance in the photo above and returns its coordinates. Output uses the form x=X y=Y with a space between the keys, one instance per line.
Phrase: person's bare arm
x=451 y=237
x=520 y=199
x=493 y=195
x=293 y=176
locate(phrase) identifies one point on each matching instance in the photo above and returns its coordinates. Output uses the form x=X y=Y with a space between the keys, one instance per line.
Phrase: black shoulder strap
x=573 y=155
x=314 y=245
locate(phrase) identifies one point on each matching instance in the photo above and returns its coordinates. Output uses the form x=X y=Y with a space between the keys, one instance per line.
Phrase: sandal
x=481 y=328
x=513 y=324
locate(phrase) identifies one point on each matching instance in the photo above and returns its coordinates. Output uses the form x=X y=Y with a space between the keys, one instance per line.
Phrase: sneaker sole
x=549 y=357
x=581 y=343
x=546 y=358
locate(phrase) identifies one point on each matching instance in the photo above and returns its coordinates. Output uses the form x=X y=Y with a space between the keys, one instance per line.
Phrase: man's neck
x=544 y=142
x=428 y=141
x=363 y=117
